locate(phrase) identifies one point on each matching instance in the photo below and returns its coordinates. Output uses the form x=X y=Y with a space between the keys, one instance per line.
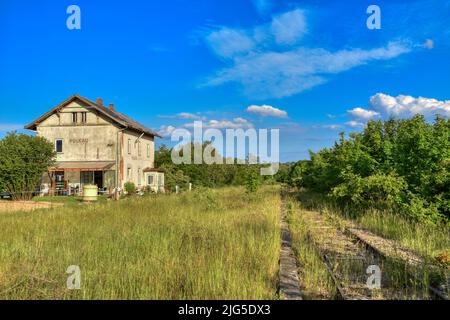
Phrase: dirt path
x=10 y=206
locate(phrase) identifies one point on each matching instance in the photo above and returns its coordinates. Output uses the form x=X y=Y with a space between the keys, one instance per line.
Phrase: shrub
x=376 y=190
x=130 y=188
x=253 y=182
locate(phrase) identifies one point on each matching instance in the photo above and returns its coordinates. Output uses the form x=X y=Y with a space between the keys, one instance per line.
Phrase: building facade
x=97 y=145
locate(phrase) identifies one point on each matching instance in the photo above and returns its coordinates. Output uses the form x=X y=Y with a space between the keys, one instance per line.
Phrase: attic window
x=74 y=117
x=83 y=117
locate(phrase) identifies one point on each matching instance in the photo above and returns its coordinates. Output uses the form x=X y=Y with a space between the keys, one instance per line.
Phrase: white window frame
x=129 y=173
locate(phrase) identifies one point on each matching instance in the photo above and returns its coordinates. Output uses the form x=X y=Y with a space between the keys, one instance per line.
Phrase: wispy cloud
x=228 y=43
x=236 y=123
x=184 y=116
x=166 y=131
x=355 y=124
x=329 y=126
x=282 y=74
x=289 y=28
x=267 y=111
x=267 y=61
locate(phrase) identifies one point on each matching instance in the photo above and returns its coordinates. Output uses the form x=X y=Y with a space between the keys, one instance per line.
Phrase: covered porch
x=68 y=178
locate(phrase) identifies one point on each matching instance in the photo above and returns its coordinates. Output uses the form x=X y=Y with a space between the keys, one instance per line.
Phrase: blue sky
x=310 y=68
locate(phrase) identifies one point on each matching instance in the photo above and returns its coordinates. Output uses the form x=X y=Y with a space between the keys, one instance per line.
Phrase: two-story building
x=97 y=145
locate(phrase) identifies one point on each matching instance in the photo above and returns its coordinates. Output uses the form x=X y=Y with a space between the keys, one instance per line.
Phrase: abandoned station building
x=97 y=145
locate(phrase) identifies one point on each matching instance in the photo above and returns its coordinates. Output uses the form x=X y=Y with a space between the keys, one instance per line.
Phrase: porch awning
x=84 y=166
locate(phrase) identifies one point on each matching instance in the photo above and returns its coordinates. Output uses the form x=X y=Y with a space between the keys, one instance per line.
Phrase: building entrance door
x=98 y=179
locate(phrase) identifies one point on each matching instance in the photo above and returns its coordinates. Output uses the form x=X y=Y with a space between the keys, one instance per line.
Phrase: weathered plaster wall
x=137 y=163
x=94 y=140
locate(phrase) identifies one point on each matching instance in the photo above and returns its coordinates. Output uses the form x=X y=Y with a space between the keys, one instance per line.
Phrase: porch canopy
x=84 y=166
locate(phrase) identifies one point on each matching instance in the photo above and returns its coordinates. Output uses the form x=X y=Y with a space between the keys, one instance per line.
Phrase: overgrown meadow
x=208 y=244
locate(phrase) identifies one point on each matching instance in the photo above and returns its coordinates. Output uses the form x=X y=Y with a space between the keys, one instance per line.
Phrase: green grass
x=427 y=240
x=315 y=280
x=220 y=244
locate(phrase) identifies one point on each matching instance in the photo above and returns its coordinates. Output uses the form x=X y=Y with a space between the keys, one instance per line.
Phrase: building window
x=148 y=150
x=83 y=117
x=139 y=148
x=139 y=176
x=74 y=117
x=129 y=174
x=150 y=179
x=59 y=145
x=129 y=146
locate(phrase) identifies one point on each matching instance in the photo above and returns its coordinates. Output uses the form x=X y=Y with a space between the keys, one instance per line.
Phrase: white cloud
x=166 y=131
x=364 y=114
x=227 y=43
x=185 y=116
x=6 y=127
x=289 y=27
x=355 y=124
x=282 y=74
x=331 y=126
x=267 y=61
x=236 y=123
x=406 y=106
x=267 y=111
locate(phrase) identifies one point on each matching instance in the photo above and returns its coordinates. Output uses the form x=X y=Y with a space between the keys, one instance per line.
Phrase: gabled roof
x=118 y=118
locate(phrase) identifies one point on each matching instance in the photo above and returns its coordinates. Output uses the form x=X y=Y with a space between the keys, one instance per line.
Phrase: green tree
x=23 y=161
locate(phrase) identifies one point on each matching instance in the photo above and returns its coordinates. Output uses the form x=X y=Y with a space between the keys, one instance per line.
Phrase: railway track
x=436 y=293
x=347 y=256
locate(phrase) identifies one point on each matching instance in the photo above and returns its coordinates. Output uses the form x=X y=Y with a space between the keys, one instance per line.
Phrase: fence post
x=177 y=189
x=190 y=186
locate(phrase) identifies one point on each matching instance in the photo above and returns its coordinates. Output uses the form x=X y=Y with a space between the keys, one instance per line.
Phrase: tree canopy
x=23 y=161
x=402 y=163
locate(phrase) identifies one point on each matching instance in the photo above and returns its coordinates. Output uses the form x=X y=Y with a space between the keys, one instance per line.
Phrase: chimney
x=99 y=101
x=111 y=107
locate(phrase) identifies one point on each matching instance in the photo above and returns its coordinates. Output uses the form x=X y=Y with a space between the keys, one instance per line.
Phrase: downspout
x=118 y=152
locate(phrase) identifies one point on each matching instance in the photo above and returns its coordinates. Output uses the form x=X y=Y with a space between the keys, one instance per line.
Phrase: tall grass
x=426 y=239
x=315 y=279
x=220 y=244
